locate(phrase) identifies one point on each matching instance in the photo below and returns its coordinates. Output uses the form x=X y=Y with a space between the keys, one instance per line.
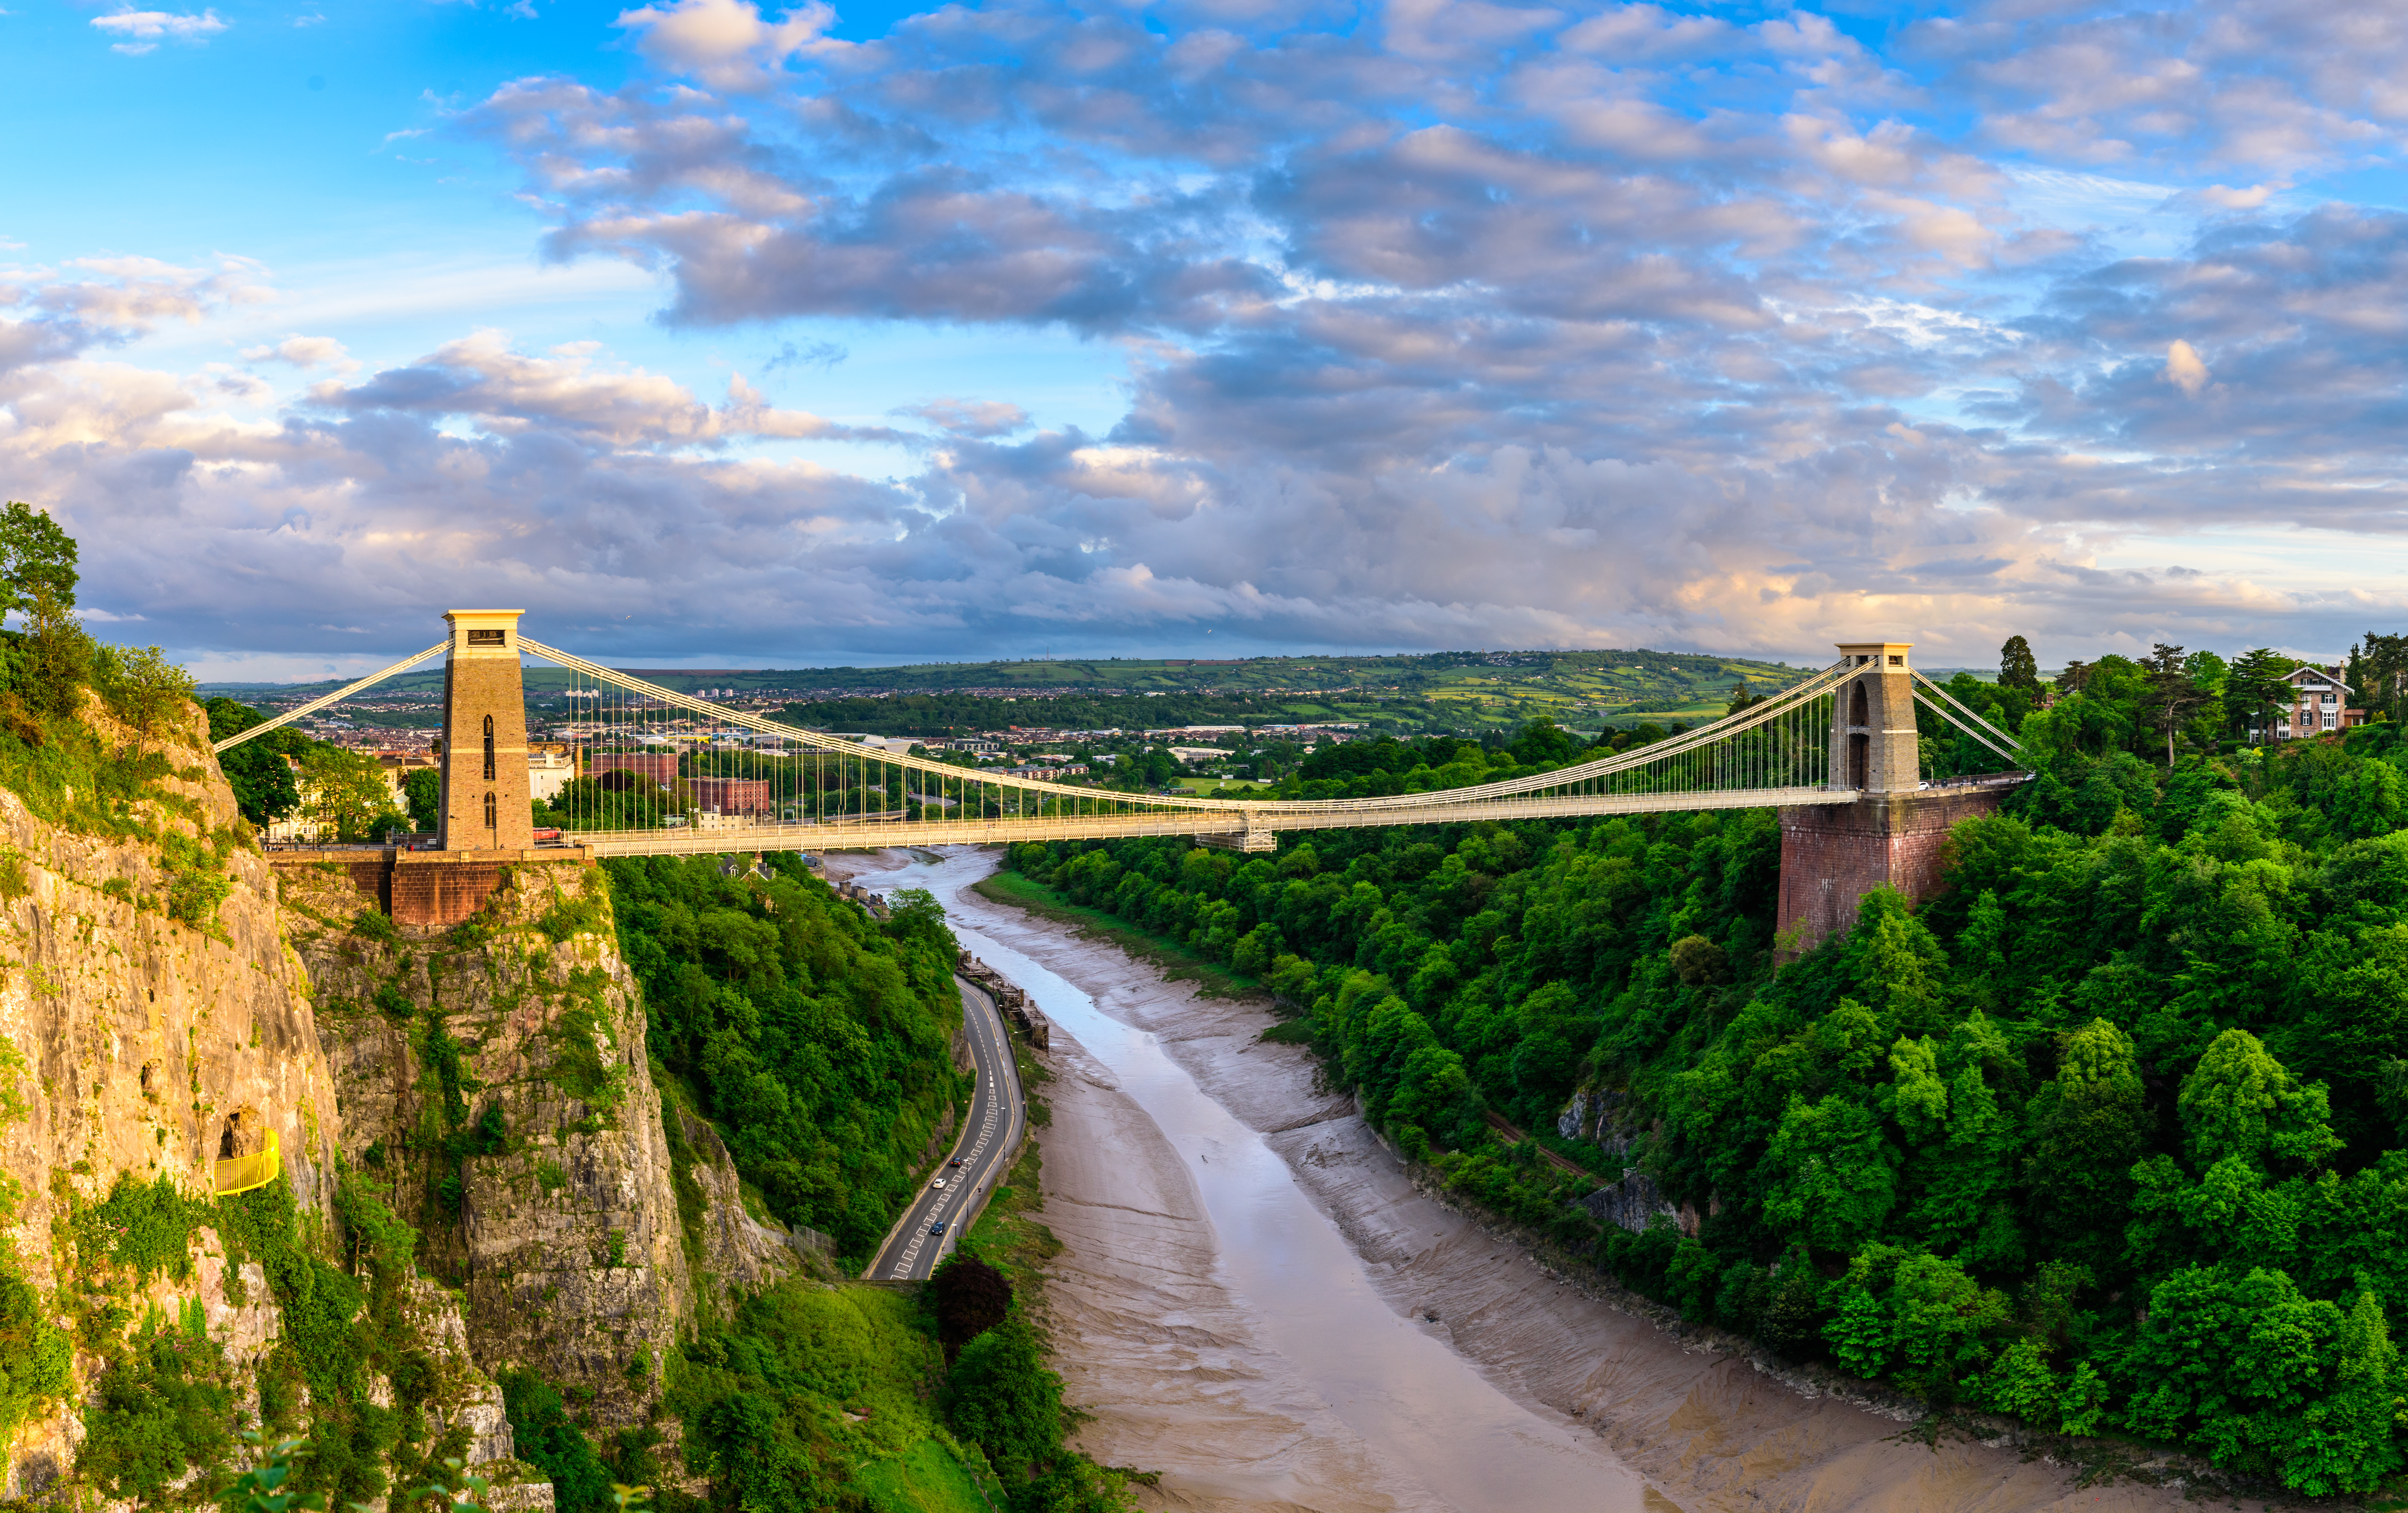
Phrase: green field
x=1462 y=690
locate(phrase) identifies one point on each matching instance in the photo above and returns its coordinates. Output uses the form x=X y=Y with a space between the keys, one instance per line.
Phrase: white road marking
x=974 y=1159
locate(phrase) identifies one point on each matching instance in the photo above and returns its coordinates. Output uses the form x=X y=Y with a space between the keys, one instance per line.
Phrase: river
x=1254 y=1302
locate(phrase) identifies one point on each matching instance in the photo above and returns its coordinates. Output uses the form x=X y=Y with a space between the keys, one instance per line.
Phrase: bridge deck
x=1260 y=821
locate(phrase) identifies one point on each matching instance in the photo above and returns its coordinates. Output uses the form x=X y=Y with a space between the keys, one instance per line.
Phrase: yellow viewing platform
x=240 y=1173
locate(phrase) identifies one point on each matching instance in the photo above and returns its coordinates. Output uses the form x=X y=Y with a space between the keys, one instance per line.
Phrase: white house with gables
x=2319 y=705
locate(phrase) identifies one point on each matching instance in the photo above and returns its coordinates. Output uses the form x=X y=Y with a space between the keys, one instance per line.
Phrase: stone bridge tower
x=486 y=807
x=1893 y=834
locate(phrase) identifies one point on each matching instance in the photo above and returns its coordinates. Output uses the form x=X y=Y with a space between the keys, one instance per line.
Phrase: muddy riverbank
x=1255 y=1301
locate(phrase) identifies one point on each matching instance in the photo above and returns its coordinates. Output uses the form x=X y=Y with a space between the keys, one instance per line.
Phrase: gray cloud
x=1486 y=325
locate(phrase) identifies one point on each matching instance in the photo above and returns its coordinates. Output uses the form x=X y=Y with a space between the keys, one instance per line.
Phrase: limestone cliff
x=171 y=998
x=496 y=1074
x=153 y=1020
x=153 y=1023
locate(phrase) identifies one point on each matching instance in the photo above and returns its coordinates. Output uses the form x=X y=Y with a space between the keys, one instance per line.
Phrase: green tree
x=263 y=782
x=549 y=1440
x=37 y=563
x=2172 y=695
x=1001 y=1395
x=346 y=791
x=2271 y=1379
x=2240 y=1101
x=2379 y=672
x=1831 y=1176
x=2255 y=687
x=422 y=791
x=2018 y=669
x=141 y=685
x=2088 y=1124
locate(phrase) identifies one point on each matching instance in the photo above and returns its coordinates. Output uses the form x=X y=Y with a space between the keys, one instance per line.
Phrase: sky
x=714 y=336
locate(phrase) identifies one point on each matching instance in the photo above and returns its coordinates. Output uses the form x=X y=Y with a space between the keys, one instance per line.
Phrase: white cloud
x=2252 y=198
x=304 y=352
x=726 y=43
x=2185 y=369
x=143 y=30
x=973 y=416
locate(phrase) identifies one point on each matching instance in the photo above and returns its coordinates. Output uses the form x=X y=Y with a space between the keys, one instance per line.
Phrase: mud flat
x=1257 y=1303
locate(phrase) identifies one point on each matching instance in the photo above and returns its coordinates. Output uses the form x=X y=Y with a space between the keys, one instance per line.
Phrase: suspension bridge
x=653 y=771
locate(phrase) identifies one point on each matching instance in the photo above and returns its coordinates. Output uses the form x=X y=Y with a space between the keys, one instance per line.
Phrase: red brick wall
x=1833 y=854
x=728 y=795
x=661 y=767
x=437 y=896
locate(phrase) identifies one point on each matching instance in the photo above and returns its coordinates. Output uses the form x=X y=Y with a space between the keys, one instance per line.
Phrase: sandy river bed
x=1256 y=1303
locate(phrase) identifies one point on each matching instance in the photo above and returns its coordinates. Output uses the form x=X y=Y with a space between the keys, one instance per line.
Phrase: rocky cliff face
x=170 y=998
x=141 y=1044
x=495 y=1075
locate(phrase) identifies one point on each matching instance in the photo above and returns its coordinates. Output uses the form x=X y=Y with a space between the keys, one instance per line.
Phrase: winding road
x=990 y=1134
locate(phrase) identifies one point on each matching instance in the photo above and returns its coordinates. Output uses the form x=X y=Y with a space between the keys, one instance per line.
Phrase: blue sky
x=718 y=334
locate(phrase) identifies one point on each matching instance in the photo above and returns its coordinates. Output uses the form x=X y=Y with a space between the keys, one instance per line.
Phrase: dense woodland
x=2111 y=1135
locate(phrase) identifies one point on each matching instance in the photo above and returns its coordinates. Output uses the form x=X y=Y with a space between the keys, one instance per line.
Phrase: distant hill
x=1465 y=691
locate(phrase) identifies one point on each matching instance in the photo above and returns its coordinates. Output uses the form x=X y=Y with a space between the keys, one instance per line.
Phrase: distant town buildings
x=661 y=767
x=733 y=796
x=550 y=768
x=1059 y=769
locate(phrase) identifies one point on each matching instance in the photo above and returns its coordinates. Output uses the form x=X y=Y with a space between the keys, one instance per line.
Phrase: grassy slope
x=929 y=1477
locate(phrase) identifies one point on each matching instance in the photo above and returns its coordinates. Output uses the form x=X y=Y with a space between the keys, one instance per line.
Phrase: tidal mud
x=1256 y=1302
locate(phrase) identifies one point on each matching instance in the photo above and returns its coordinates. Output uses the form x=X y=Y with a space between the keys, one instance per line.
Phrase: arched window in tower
x=1857 y=715
x=1860 y=740
x=489 y=752
x=489 y=811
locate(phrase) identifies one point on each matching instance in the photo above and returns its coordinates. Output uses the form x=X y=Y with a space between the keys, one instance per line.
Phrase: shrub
x=972 y=1297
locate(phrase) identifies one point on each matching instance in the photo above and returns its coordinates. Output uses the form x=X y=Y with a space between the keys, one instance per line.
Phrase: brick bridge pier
x=1893 y=835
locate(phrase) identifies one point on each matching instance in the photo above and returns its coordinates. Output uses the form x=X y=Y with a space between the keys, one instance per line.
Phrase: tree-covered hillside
x=815 y=1038
x=2113 y=1134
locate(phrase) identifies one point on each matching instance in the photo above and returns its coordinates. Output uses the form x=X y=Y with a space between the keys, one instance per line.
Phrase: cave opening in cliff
x=241 y=1134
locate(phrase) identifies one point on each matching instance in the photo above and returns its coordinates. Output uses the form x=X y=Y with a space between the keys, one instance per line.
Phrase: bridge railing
x=240 y=1173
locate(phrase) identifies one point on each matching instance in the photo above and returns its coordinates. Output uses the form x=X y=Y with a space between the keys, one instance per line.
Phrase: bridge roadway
x=1255 y=823
x=990 y=1134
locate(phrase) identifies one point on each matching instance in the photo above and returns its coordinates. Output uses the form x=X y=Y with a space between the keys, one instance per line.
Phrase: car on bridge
x=937 y=1228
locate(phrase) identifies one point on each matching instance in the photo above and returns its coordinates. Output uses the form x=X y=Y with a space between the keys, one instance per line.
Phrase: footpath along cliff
x=462 y=1163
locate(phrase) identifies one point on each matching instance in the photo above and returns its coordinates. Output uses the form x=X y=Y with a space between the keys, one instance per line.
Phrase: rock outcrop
x=496 y=1074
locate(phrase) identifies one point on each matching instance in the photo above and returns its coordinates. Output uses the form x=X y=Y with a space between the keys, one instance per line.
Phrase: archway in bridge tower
x=1860 y=738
